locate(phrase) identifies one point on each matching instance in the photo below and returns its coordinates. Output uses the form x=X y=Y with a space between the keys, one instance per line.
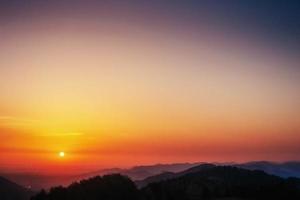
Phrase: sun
x=61 y=154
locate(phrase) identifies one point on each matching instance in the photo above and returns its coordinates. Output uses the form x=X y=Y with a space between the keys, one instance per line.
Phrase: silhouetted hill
x=13 y=191
x=108 y=187
x=224 y=182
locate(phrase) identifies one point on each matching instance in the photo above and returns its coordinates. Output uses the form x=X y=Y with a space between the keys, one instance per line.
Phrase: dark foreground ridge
x=211 y=182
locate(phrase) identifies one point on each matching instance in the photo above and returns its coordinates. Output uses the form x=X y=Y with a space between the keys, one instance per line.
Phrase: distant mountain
x=142 y=172
x=285 y=170
x=224 y=182
x=172 y=175
x=12 y=191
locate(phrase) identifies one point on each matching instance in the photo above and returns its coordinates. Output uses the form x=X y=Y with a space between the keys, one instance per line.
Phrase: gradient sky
x=123 y=83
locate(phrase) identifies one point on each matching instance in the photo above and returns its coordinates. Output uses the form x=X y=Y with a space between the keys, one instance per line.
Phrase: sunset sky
x=124 y=83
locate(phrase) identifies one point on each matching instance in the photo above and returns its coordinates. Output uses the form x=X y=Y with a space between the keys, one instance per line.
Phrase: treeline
x=110 y=187
x=212 y=183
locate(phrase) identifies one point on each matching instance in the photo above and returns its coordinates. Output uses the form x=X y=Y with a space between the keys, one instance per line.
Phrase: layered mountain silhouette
x=171 y=175
x=285 y=170
x=201 y=182
x=138 y=173
x=221 y=182
x=12 y=191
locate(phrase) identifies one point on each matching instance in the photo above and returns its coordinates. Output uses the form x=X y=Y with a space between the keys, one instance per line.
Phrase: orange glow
x=141 y=97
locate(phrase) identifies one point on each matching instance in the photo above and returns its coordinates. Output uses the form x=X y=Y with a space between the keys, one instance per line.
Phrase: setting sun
x=61 y=154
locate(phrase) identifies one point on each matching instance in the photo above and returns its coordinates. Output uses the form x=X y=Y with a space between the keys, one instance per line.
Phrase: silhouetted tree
x=109 y=187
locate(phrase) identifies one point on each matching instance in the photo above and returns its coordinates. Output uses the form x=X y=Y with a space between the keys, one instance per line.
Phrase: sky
x=124 y=83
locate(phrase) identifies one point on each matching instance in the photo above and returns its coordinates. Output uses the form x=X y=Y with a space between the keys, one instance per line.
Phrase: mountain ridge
x=139 y=173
